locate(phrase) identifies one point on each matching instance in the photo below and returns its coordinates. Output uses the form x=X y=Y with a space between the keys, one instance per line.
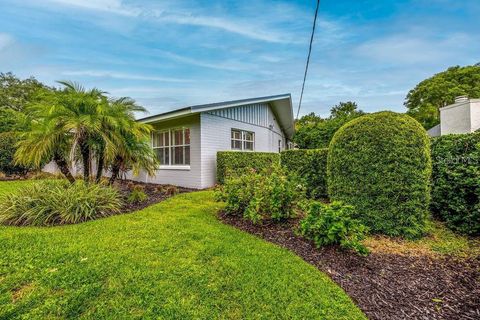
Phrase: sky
x=170 y=54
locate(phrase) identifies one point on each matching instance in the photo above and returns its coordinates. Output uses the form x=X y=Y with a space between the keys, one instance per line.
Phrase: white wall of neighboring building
x=455 y=118
x=461 y=117
x=474 y=114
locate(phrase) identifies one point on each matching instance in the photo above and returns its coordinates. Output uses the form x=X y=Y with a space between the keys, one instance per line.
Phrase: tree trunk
x=85 y=151
x=115 y=170
x=63 y=166
x=100 y=164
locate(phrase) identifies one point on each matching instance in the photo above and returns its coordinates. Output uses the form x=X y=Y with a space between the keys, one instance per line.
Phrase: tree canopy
x=314 y=132
x=16 y=93
x=424 y=101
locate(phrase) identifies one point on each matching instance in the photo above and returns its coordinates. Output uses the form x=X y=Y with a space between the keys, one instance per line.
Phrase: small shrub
x=234 y=163
x=8 y=141
x=328 y=224
x=54 y=202
x=269 y=194
x=380 y=163
x=171 y=190
x=456 y=181
x=237 y=192
x=137 y=195
x=41 y=175
x=311 y=167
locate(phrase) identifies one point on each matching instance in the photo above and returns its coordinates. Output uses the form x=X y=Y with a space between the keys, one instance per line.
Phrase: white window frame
x=171 y=145
x=242 y=139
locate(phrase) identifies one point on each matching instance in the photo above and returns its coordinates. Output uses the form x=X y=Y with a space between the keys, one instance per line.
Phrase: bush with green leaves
x=456 y=181
x=268 y=194
x=234 y=163
x=311 y=167
x=56 y=202
x=329 y=224
x=380 y=163
x=137 y=195
x=7 y=153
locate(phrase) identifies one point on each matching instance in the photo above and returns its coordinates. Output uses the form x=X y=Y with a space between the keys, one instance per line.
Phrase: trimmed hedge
x=236 y=163
x=311 y=167
x=456 y=181
x=380 y=163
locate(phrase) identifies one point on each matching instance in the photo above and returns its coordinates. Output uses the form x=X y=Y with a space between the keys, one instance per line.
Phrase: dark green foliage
x=456 y=181
x=236 y=163
x=380 y=163
x=54 y=202
x=440 y=90
x=17 y=94
x=137 y=195
x=311 y=167
x=7 y=153
x=313 y=132
x=268 y=194
x=328 y=224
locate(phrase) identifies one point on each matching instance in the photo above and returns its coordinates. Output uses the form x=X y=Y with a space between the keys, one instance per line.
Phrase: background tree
x=423 y=102
x=15 y=96
x=313 y=131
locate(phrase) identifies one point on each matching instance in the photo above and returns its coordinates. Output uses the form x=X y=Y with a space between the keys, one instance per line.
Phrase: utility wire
x=308 y=58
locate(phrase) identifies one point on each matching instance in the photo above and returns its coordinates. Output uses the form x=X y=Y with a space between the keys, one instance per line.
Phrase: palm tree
x=134 y=153
x=75 y=124
x=44 y=141
x=118 y=122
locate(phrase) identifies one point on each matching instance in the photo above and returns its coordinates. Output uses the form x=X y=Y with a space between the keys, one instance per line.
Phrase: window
x=243 y=140
x=279 y=145
x=172 y=146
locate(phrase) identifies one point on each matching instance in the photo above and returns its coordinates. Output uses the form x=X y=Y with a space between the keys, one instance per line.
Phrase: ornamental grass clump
x=56 y=202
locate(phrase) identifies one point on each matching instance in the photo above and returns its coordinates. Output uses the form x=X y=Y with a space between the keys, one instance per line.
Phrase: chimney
x=461 y=99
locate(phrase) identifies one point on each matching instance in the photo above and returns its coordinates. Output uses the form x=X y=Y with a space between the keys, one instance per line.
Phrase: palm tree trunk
x=63 y=166
x=85 y=151
x=115 y=170
x=100 y=164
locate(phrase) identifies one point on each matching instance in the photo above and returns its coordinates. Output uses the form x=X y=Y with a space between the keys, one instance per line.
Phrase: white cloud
x=411 y=48
x=112 y=6
x=251 y=28
x=120 y=75
x=248 y=29
x=232 y=65
x=5 y=41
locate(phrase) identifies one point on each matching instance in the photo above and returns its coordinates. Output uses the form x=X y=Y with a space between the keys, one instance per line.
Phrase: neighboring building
x=187 y=140
x=461 y=117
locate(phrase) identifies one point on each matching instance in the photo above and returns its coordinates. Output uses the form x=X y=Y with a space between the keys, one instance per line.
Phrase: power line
x=308 y=58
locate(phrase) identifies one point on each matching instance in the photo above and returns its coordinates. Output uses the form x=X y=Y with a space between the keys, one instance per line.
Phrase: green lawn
x=173 y=260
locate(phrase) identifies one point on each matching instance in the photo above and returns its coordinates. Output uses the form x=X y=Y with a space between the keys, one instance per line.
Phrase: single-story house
x=187 y=140
x=463 y=116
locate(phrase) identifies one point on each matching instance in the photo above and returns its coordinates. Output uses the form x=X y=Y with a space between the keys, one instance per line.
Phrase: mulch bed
x=386 y=286
x=155 y=192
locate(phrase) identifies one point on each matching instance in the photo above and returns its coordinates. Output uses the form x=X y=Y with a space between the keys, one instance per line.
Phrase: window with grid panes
x=242 y=140
x=172 y=146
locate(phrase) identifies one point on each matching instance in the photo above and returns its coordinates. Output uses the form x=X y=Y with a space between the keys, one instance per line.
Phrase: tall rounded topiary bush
x=380 y=163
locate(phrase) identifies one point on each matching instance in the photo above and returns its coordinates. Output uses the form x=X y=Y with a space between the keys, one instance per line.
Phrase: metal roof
x=281 y=106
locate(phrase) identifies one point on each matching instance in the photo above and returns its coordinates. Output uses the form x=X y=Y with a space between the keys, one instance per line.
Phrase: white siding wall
x=455 y=119
x=216 y=136
x=475 y=114
x=179 y=177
